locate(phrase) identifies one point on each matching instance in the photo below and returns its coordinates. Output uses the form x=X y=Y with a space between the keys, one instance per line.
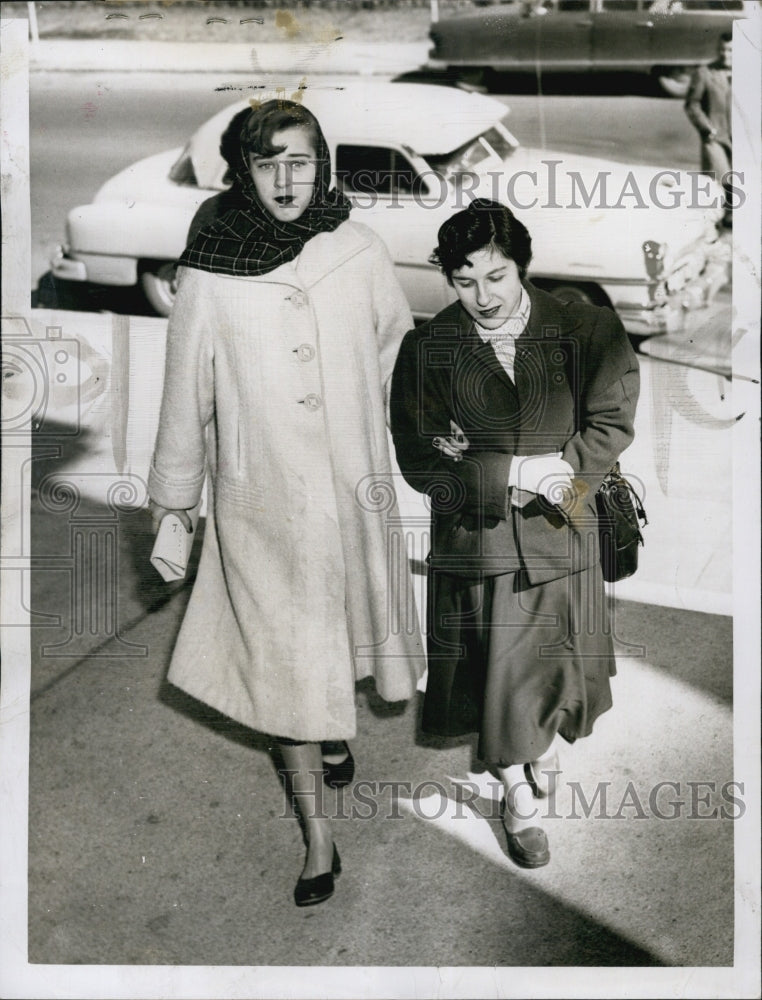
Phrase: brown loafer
x=528 y=848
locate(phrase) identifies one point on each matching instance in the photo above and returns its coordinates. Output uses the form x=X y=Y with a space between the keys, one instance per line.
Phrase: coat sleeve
x=606 y=396
x=391 y=312
x=420 y=412
x=694 y=106
x=178 y=467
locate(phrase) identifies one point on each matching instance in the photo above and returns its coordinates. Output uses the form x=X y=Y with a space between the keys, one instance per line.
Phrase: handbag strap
x=616 y=473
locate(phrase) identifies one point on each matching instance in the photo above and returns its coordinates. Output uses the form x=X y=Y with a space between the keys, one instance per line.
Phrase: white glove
x=158 y=513
x=547 y=475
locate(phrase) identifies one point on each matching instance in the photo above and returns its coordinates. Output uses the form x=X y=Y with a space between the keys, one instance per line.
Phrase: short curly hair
x=252 y=129
x=484 y=224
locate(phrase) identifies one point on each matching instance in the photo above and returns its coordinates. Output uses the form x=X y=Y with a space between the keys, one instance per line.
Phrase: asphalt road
x=85 y=127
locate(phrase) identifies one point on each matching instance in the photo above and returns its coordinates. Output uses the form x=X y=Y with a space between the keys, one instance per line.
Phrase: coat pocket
x=238 y=493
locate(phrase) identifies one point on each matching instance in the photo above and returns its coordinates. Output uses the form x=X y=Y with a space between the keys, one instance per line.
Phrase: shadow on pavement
x=160 y=838
x=165 y=837
x=676 y=635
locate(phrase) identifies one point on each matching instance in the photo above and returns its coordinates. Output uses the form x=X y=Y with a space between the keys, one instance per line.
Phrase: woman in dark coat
x=508 y=409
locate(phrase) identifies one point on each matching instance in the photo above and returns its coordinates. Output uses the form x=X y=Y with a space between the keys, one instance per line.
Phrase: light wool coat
x=276 y=384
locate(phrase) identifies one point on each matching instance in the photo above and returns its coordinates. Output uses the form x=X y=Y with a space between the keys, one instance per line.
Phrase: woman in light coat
x=281 y=345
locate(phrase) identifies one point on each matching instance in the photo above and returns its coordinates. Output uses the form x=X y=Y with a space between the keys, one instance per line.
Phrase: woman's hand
x=547 y=475
x=158 y=513
x=454 y=445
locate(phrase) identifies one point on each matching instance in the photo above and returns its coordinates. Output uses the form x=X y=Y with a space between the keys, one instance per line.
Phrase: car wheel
x=676 y=81
x=159 y=285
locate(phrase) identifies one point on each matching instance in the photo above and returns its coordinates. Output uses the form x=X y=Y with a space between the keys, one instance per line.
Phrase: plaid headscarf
x=234 y=233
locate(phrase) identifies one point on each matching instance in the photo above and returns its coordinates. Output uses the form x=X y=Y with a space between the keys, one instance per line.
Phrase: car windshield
x=496 y=142
x=182 y=171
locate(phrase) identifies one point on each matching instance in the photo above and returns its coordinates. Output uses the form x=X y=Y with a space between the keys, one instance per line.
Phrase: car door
x=400 y=200
x=622 y=36
x=565 y=36
x=688 y=35
x=496 y=36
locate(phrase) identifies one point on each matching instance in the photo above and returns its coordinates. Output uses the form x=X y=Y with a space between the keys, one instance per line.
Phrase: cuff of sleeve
x=174 y=495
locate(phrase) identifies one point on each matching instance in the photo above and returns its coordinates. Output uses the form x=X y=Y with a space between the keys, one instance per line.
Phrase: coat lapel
x=544 y=350
x=320 y=256
x=478 y=354
x=327 y=251
x=545 y=358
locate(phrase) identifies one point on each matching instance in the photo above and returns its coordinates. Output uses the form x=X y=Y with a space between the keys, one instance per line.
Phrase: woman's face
x=285 y=181
x=490 y=289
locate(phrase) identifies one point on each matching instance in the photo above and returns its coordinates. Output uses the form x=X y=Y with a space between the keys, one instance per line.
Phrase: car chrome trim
x=668 y=313
x=67 y=269
x=101 y=269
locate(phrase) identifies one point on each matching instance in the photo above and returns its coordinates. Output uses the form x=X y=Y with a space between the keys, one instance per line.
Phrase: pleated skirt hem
x=517 y=663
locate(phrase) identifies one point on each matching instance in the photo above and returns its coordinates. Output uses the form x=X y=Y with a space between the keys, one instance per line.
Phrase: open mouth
x=285 y=199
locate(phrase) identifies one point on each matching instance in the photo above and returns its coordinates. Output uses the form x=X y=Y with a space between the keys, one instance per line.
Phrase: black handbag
x=620 y=513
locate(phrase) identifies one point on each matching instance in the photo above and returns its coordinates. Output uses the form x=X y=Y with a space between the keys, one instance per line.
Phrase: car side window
x=677 y=7
x=182 y=171
x=574 y=6
x=375 y=169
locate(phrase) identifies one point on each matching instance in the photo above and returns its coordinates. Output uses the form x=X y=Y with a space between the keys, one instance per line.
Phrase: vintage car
x=666 y=38
x=408 y=155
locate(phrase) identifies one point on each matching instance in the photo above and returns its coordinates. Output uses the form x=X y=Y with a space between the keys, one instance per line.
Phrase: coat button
x=298 y=299
x=305 y=352
x=312 y=401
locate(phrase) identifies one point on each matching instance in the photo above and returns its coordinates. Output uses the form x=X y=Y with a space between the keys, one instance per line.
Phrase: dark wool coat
x=709 y=103
x=576 y=388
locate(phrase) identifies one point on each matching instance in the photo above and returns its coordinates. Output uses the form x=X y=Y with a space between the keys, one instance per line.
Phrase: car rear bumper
x=66 y=268
x=101 y=269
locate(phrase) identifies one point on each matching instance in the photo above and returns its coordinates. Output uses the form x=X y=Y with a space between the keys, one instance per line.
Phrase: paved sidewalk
x=159 y=831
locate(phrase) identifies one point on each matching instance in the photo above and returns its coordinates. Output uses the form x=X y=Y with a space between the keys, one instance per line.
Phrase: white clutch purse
x=172 y=548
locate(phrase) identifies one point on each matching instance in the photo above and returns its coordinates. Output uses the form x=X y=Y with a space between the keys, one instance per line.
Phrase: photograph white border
x=19 y=979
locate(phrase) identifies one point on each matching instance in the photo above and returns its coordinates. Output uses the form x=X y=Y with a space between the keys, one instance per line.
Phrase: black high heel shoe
x=341 y=774
x=310 y=891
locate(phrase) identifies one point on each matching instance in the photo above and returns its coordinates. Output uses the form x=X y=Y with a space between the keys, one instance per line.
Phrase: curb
x=203 y=57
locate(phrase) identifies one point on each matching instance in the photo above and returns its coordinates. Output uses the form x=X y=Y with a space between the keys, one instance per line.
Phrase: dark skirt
x=517 y=663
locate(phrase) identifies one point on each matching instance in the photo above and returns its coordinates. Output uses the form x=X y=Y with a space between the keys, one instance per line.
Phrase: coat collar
x=547 y=319
x=549 y=316
x=328 y=251
x=319 y=257
x=720 y=69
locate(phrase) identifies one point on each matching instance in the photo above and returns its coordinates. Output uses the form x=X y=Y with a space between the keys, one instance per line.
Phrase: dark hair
x=483 y=224
x=726 y=36
x=252 y=130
